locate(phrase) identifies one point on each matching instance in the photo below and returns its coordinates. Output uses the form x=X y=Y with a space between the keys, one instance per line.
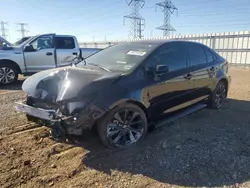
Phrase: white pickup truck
x=38 y=53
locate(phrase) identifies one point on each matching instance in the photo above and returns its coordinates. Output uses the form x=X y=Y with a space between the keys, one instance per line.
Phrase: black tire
x=14 y=73
x=135 y=113
x=218 y=96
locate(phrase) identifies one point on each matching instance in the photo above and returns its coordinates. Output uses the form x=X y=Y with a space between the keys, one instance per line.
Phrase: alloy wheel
x=220 y=95
x=7 y=75
x=125 y=128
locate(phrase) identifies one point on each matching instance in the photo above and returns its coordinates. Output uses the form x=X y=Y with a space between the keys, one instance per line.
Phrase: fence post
x=212 y=42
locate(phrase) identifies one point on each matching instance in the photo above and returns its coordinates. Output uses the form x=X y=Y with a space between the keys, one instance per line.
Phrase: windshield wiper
x=99 y=66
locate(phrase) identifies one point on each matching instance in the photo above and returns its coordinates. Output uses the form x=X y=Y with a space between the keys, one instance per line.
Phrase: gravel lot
x=206 y=149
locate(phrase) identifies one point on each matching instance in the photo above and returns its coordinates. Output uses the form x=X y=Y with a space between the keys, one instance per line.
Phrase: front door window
x=44 y=42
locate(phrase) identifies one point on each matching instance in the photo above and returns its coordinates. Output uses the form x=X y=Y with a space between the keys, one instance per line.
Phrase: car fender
x=220 y=76
x=122 y=101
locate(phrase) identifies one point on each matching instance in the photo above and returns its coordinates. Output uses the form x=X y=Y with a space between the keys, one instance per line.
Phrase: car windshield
x=120 y=57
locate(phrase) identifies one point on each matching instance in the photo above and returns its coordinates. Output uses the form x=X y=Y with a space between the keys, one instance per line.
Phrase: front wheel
x=8 y=74
x=218 y=96
x=123 y=126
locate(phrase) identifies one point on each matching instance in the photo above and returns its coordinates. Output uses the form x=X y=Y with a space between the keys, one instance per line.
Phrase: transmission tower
x=22 y=29
x=167 y=8
x=3 y=29
x=137 y=22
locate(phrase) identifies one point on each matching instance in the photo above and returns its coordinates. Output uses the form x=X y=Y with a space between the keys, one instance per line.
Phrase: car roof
x=64 y=35
x=159 y=42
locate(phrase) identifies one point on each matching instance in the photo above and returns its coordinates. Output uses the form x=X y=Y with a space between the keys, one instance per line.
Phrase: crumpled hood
x=67 y=83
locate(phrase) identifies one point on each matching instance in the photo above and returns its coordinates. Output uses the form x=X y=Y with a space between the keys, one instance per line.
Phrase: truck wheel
x=8 y=74
x=123 y=126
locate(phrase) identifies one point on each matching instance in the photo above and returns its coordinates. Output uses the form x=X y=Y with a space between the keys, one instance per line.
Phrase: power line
x=137 y=21
x=223 y=10
x=106 y=17
x=3 y=29
x=92 y=14
x=217 y=25
x=191 y=23
x=184 y=4
x=91 y=22
x=236 y=13
x=90 y=33
x=22 y=29
x=211 y=13
x=167 y=8
x=180 y=25
x=186 y=9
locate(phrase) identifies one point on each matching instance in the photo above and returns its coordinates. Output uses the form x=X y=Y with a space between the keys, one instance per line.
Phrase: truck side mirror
x=29 y=48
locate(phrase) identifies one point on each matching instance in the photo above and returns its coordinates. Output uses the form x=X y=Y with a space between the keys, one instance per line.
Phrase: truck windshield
x=19 y=42
x=120 y=57
x=28 y=39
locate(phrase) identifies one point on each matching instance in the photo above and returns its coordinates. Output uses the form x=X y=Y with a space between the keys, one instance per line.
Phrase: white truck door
x=66 y=49
x=39 y=54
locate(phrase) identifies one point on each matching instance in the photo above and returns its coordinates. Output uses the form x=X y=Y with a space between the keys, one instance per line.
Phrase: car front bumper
x=36 y=112
x=52 y=118
x=49 y=118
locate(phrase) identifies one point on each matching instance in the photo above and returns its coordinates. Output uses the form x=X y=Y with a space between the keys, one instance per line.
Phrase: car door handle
x=188 y=76
x=74 y=53
x=49 y=53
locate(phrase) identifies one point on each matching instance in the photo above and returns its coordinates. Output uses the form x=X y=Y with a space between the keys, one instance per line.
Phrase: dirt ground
x=206 y=149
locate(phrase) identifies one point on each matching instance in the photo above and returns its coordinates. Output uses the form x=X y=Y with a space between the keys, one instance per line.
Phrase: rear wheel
x=218 y=96
x=123 y=126
x=8 y=74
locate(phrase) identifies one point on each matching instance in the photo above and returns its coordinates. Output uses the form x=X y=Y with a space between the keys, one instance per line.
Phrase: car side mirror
x=29 y=48
x=161 y=69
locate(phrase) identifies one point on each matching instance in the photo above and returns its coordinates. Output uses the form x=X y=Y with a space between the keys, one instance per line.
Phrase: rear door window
x=210 y=55
x=196 y=54
x=64 y=43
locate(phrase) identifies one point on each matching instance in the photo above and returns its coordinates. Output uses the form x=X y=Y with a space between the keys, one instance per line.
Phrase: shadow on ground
x=14 y=86
x=207 y=148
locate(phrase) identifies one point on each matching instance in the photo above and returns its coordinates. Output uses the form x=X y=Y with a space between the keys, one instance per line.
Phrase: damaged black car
x=123 y=89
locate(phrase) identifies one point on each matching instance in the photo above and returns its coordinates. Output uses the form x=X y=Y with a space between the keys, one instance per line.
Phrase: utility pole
x=137 y=21
x=22 y=29
x=3 y=29
x=167 y=8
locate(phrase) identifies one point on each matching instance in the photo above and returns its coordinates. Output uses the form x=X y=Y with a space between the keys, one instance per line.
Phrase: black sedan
x=121 y=90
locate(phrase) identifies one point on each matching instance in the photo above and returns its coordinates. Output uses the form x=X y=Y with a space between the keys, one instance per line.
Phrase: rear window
x=65 y=43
